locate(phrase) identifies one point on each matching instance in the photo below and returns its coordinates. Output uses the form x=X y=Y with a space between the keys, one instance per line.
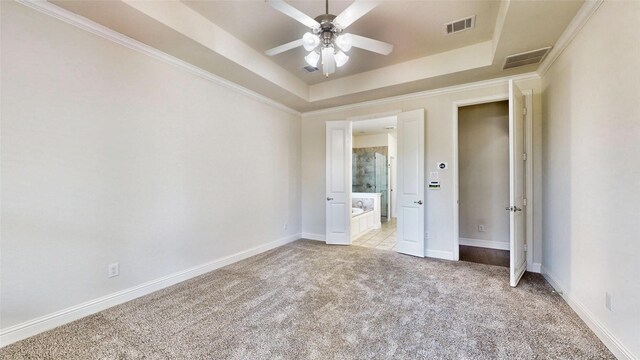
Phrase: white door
x=410 y=186
x=392 y=185
x=338 y=191
x=516 y=208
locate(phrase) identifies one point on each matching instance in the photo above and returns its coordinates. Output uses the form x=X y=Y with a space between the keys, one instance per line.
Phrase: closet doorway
x=480 y=173
x=483 y=183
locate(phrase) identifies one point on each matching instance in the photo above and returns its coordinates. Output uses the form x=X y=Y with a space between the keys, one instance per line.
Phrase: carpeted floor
x=307 y=300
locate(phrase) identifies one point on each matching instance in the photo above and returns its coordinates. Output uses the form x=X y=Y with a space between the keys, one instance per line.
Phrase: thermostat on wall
x=442 y=165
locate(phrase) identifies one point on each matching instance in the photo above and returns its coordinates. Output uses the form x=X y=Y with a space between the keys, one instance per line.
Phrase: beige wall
x=439 y=139
x=592 y=171
x=364 y=141
x=110 y=155
x=483 y=156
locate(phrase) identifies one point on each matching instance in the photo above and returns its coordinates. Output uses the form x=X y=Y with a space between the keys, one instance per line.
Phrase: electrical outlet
x=113 y=270
x=481 y=228
x=285 y=226
x=607 y=300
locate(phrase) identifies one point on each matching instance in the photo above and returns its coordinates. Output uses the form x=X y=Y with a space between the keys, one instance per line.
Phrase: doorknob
x=419 y=202
x=329 y=198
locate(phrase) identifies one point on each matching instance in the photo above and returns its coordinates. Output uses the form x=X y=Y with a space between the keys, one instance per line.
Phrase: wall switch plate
x=481 y=228
x=433 y=175
x=607 y=300
x=113 y=270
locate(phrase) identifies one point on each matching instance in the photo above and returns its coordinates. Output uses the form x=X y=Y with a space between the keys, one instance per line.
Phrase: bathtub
x=362 y=221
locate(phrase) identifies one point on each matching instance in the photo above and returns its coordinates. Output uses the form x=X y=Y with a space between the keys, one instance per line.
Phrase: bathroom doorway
x=374 y=144
x=346 y=222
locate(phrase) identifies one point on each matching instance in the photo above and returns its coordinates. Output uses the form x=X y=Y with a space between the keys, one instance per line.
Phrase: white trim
x=609 y=340
x=310 y=236
x=534 y=267
x=582 y=17
x=439 y=254
x=454 y=163
x=489 y=244
x=422 y=94
x=83 y=23
x=32 y=327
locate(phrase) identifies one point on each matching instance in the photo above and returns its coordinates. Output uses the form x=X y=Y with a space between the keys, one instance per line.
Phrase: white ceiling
x=228 y=39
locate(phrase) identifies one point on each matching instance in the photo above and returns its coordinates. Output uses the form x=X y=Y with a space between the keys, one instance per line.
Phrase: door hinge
x=524 y=156
x=524 y=111
x=524 y=202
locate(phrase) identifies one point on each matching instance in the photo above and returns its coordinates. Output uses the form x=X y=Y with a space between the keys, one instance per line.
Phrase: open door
x=516 y=208
x=410 y=187
x=338 y=191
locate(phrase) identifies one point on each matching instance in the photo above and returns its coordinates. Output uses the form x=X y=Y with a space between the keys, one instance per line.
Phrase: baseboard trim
x=438 y=254
x=489 y=244
x=33 y=327
x=310 y=236
x=534 y=267
x=609 y=340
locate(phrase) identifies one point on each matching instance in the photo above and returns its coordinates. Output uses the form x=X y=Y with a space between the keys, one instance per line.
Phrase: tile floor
x=383 y=238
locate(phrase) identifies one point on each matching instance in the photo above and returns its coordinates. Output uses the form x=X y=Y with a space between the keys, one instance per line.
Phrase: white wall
x=365 y=141
x=591 y=183
x=438 y=147
x=110 y=155
x=483 y=163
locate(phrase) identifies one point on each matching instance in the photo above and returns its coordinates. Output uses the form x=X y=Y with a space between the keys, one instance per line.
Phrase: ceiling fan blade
x=355 y=11
x=298 y=15
x=284 y=47
x=375 y=46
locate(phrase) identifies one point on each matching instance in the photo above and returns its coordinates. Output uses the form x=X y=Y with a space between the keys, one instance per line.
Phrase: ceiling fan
x=326 y=41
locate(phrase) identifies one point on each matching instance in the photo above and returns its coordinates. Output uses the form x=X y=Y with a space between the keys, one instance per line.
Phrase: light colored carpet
x=307 y=300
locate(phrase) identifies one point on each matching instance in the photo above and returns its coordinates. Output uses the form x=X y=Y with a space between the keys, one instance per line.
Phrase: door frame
x=528 y=166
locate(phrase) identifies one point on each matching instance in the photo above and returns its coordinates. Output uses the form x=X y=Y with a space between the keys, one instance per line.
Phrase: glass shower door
x=381 y=179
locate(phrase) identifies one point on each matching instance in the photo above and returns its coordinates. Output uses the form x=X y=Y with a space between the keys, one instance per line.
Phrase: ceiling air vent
x=310 y=68
x=460 y=25
x=526 y=58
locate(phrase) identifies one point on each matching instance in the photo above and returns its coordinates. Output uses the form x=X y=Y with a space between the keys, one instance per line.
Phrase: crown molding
x=582 y=17
x=83 y=23
x=423 y=94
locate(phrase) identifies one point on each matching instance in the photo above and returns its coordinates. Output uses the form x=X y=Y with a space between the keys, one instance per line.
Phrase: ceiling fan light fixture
x=312 y=58
x=310 y=41
x=328 y=61
x=325 y=39
x=344 y=42
x=341 y=58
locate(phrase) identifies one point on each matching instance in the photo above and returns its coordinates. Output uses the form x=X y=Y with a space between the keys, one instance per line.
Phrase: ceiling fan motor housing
x=328 y=30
